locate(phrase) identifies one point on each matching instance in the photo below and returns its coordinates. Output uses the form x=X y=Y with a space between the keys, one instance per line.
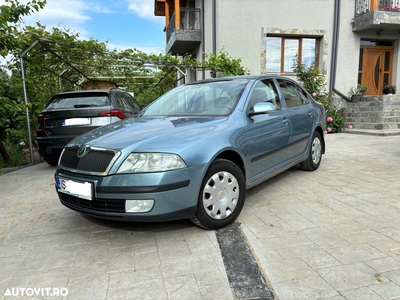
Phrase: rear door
x=75 y=114
x=301 y=113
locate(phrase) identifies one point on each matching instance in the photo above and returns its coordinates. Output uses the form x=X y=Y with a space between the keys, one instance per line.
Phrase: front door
x=375 y=69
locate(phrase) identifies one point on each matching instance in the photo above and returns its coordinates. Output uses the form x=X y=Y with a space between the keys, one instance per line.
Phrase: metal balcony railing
x=190 y=20
x=364 y=6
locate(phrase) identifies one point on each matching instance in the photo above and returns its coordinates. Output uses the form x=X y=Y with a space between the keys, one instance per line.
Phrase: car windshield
x=206 y=98
x=64 y=101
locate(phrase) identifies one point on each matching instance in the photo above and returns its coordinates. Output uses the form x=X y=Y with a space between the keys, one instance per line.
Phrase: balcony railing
x=364 y=6
x=190 y=20
x=185 y=38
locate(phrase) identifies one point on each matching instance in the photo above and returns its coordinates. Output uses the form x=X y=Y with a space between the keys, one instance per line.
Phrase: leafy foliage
x=314 y=83
x=58 y=59
x=10 y=15
x=360 y=89
x=389 y=89
x=224 y=64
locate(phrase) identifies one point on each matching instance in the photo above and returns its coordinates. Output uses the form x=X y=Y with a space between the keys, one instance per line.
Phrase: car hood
x=149 y=132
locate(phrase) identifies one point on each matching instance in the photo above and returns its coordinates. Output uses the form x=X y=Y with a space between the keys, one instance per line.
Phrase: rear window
x=72 y=101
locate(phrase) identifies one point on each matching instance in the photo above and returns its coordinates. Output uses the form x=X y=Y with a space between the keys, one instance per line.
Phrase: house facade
x=351 y=41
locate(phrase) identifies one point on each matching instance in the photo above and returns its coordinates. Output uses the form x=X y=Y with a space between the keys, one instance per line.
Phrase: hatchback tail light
x=41 y=118
x=115 y=112
x=44 y=117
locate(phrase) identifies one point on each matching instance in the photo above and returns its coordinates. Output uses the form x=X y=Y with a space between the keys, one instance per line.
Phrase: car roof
x=247 y=77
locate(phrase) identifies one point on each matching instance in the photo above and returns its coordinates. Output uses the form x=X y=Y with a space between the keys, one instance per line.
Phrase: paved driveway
x=330 y=234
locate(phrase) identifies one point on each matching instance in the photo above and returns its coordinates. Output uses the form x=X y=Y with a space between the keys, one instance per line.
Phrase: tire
x=222 y=195
x=315 y=154
x=51 y=159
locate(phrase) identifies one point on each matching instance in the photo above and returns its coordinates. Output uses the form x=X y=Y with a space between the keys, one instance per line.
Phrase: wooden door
x=375 y=69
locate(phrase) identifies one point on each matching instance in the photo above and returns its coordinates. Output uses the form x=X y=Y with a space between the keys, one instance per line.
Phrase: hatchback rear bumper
x=53 y=145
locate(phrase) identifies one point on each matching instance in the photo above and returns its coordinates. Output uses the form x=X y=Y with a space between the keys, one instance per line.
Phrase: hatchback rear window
x=77 y=102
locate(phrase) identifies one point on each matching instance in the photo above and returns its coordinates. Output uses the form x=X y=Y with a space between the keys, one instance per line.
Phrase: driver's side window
x=265 y=91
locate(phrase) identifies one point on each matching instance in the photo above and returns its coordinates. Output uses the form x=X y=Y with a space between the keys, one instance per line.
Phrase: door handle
x=285 y=120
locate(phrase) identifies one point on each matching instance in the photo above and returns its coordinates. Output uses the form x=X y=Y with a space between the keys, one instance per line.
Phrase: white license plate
x=76 y=121
x=78 y=189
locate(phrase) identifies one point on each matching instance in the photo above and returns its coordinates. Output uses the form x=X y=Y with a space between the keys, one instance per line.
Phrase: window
x=294 y=96
x=265 y=91
x=73 y=101
x=281 y=51
x=127 y=102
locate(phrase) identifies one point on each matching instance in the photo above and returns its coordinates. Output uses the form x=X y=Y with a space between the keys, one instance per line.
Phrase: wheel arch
x=235 y=158
x=322 y=134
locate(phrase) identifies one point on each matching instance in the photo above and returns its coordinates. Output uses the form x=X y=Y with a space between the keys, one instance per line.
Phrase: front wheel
x=222 y=195
x=315 y=154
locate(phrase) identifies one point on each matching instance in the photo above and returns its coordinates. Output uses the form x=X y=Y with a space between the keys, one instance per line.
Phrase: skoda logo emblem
x=82 y=151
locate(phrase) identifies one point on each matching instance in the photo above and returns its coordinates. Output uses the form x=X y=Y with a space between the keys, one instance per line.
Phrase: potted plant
x=389 y=89
x=357 y=92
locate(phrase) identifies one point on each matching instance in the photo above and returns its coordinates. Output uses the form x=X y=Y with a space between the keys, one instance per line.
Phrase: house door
x=375 y=69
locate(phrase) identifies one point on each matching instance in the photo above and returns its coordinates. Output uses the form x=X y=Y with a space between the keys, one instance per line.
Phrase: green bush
x=15 y=155
x=314 y=83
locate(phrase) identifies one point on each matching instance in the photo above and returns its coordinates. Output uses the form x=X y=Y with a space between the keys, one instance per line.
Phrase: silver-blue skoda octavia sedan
x=193 y=152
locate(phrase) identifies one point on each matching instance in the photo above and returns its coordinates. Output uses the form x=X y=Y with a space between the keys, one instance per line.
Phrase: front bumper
x=175 y=194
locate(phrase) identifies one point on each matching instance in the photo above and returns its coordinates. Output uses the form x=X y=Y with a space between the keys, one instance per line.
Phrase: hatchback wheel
x=51 y=159
x=222 y=195
x=315 y=154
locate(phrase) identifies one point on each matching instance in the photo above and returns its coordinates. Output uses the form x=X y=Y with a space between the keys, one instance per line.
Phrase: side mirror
x=262 y=108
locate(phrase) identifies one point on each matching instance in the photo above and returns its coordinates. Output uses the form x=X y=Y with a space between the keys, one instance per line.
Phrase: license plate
x=78 y=189
x=76 y=121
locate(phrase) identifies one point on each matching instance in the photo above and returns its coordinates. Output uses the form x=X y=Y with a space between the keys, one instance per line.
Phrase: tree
x=60 y=60
x=10 y=15
x=10 y=109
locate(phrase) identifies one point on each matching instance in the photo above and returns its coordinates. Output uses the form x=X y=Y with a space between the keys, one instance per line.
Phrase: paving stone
x=352 y=276
x=361 y=293
x=330 y=234
x=93 y=287
x=140 y=284
x=182 y=287
x=308 y=287
x=355 y=253
x=384 y=264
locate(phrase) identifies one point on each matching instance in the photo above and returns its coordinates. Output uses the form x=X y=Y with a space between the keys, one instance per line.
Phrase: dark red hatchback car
x=72 y=113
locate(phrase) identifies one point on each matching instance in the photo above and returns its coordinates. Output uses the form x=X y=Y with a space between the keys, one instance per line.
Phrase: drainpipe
x=336 y=25
x=214 y=30
x=214 y=33
x=203 y=46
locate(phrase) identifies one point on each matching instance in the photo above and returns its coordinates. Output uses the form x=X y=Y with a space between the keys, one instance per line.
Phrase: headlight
x=151 y=162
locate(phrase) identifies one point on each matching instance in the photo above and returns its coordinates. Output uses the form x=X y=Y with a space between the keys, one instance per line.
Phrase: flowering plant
x=390 y=8
x=314 y=83
x=22 y=145
x=334 y=122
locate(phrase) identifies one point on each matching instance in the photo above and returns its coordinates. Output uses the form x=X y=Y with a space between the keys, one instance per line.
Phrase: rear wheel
x=222 y=195
x=51 y=159
x=315 y=154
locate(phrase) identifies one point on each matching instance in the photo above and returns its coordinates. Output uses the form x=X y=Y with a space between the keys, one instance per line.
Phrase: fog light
x=139 y=205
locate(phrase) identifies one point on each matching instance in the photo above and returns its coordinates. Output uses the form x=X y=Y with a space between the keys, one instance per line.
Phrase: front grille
x=94 y=162
x=103 y=205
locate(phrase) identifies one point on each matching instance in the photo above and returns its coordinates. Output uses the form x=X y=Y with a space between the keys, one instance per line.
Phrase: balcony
x=187 y=38
x=376 y=14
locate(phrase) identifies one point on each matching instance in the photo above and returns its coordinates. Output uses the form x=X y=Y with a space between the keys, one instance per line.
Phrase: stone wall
x=373 y=112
